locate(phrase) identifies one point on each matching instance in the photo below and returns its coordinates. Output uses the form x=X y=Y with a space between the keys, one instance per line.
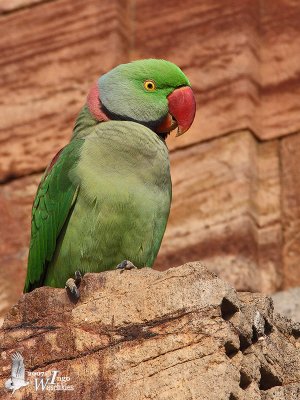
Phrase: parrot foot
x=125 y=265
x=72 y=284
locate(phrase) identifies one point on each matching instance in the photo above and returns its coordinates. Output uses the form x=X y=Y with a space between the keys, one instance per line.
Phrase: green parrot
x=105 y=197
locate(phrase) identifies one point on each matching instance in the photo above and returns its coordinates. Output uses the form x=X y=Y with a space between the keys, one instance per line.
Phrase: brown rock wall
x=242 y=59
x=290 y=156
x=8 y=6
x=230 y=50
x=15 y=216
x=50 y=55
x=226 y=210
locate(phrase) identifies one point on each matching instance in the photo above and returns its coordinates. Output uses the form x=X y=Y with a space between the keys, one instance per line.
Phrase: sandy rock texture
x=236 y=197
x=287 y=303
x=144 y=334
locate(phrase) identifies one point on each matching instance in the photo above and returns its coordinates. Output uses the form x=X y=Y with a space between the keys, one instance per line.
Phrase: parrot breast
x=123 y=202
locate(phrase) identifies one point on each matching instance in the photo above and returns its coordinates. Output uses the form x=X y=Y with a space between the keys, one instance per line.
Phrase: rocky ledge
x=180 y=334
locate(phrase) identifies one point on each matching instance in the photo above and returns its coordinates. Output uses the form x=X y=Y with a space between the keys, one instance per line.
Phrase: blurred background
x=236 y=173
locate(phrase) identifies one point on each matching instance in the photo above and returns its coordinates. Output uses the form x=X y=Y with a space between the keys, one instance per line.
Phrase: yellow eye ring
x=150 y=85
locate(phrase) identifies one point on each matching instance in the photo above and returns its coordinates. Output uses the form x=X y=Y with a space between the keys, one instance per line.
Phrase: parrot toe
x=78 y=278
x=73 y=284
x=125 y=265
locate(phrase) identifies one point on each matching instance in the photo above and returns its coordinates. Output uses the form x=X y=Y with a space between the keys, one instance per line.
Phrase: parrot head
x=154 y=93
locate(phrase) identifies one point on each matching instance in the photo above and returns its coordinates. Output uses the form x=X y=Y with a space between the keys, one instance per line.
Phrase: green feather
x=55 y=196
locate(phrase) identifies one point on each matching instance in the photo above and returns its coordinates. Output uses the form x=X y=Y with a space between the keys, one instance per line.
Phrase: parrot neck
x=84 y=124
x=90 y=115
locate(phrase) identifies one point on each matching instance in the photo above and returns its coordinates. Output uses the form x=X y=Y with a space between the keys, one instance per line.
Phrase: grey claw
x=72 y=285
x=75 y=292
x=78 y=278
x=126 y=265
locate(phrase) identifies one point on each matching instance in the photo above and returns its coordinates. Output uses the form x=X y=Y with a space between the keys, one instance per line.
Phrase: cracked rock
x=182 y=334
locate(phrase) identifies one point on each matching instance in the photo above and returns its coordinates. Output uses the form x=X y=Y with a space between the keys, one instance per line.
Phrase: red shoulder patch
x=94 y=104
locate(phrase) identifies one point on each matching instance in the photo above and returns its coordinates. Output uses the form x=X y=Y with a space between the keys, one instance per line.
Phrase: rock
x=7 y=6
x=243 y=67
x=15 y=211
x=144 y=334
x=226 y=211
x=290 y=198
x=10 y=256
x=51 y=52
x=287 y=303
x=236 y=182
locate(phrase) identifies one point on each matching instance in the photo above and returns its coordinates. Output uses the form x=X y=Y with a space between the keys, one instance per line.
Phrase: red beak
x=182 y=106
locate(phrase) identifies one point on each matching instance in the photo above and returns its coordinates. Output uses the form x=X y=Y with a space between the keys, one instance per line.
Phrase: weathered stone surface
x=50 y=55
x=144 y=334
x=287 y=302
x=10 y=253
x=7 y=6
x=235 y=198
x=242 y=59
x=290 y=180
x=15 y=216
x=226 y=211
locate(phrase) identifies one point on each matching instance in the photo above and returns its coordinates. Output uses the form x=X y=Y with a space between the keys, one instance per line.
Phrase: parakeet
x=105 y=197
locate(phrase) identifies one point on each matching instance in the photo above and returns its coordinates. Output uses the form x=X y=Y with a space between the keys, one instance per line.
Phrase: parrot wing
x=55 y=197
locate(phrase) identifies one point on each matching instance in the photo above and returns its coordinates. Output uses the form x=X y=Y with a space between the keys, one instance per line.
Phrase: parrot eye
x=149 y=85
